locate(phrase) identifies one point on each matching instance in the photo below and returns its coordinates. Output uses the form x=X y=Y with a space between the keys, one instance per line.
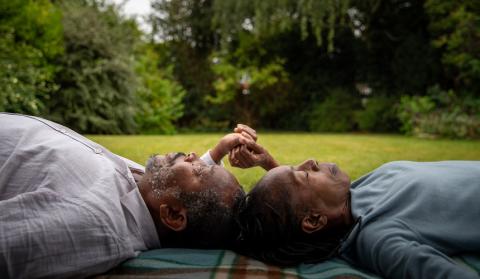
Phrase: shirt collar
x=350 y=237
x=134 y=203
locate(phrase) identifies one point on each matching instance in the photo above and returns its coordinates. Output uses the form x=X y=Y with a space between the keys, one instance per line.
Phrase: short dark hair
x=270 y=229
x=210 y=221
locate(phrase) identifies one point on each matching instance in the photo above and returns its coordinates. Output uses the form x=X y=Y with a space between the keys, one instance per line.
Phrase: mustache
x=178 y=154
x=152 y=165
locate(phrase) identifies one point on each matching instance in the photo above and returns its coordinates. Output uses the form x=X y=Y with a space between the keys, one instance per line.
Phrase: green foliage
x=97 y=75
x=228 y=76
x=255 y=105
x=378 y=115
x=455 y=26
x=81 y=63
x=441 y=113
x=394 y=54
x=184 y=27
x=267 y=18
x=160 y=96
x=30 y=39
x=411 y=109
x=335 y=113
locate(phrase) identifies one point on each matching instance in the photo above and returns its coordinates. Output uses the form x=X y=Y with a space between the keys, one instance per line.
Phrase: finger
x=238 y=160
x=255 y=147
x=247 y=129
x=232 y=157
x=247 y=157
x=242 y=164
x=231 y=154
x=243 y=158
x=236 y=140
x=246 y=162
x=247 y=136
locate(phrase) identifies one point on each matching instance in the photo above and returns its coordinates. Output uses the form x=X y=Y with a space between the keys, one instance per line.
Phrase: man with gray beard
x=71 y=208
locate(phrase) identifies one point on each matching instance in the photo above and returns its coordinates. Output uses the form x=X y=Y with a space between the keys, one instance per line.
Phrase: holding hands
x=242 y=134
x=250 y=153
x=244 y=151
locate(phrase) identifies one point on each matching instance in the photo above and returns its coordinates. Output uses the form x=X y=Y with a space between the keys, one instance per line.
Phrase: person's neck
x=146 y=195
x=347 y=211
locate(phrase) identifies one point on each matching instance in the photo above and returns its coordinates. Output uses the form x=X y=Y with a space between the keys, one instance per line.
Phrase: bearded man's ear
x=173 y=216
x=313 y=222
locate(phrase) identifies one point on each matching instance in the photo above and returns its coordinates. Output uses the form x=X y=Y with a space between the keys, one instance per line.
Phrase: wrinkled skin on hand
x=250 y=154
x=242 y=134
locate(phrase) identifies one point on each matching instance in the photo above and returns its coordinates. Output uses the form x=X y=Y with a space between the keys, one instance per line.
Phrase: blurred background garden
x=405 y=67
x=389 y=66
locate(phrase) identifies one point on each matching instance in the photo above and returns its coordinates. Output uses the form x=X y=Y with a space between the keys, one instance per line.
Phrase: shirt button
x=97 y=150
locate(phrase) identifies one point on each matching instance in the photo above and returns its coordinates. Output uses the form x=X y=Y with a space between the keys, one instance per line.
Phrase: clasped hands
x=243 y=150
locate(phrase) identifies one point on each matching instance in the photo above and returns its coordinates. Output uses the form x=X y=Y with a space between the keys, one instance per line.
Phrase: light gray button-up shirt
x=68 y=206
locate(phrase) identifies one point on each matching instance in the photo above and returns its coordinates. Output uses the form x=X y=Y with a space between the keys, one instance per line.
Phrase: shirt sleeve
x=395 y=252
x=207 y=158
x=45 y=235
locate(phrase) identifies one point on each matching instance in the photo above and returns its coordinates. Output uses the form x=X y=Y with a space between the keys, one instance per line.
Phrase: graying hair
x=211 y=222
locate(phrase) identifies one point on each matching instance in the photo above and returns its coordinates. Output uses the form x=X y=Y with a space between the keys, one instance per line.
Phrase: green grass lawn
x=356 y=154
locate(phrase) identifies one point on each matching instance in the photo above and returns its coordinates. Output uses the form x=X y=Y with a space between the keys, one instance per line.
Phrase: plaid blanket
x=187 y=263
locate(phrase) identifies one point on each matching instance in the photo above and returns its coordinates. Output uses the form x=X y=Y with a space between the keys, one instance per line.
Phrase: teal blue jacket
x=412 y=216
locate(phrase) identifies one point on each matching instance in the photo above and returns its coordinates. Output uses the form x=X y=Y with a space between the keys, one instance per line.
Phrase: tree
x=248 y=92
x=30 y=41
x=184 y=28
x=266 y=18
x=159 y=96
x=455 y=26
x=395 y=53
x=97 y=75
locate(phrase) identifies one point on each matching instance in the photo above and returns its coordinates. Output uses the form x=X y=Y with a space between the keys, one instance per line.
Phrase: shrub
x=335 y=113
x=30 y=42
x=378 y=115
x=441 y=114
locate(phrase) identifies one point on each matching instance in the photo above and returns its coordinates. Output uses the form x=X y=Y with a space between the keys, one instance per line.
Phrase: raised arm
x=242 y=134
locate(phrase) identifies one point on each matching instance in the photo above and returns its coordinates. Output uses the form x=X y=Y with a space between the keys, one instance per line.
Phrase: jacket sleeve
x=394 y=251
